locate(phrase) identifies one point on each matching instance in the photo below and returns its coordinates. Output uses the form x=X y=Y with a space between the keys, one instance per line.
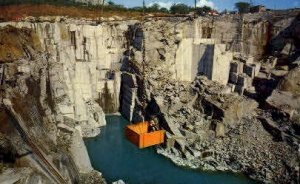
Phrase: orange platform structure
x=138 y=134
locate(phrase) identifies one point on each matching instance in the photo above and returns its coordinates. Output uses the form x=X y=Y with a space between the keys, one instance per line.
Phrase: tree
x=180 y=9
x=110 y=3
x=242 y=7
x=144 y=6
x=225 y=11
x=154 y=8
x=203 y=10
x=102 y=7
x=137 y=9
x=164 y=10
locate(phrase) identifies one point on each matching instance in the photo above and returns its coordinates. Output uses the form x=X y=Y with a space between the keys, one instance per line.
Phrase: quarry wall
x=86 y=58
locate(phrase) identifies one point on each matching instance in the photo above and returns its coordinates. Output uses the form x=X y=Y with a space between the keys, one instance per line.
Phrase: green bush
x=203 y=10
x=111 y=6
x=180 y=9
x=243 y=7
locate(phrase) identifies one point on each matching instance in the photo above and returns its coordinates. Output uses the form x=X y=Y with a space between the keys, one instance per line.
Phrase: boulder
x=249 y=70
x=65 y=128
x=79 y=153
x=118 y=182
x=232 y=87
x=279 y=73
x=239 y=89
x=287 y=49
x=284 y=102
x=220 y=130
x=233 y=77
x=236 y=67
x=291 y=82
x=297 y=62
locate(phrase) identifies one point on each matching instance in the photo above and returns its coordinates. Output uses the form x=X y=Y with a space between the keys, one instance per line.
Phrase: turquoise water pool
x=117 y=159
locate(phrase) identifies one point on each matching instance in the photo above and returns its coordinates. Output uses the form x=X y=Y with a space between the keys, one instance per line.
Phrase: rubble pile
x=214 y=129
x=215 y=108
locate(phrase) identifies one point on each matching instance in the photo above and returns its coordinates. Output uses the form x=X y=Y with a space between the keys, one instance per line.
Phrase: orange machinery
x=138 y=134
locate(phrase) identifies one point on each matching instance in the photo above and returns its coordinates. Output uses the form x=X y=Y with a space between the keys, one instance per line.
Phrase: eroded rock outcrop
x=83 y=69
x=35 y=120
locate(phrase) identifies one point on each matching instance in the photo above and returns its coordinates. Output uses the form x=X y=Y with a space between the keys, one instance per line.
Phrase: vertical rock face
x=249 y=34
x=129 y=95
x=221 y=63
x=57 y=88
x=41 y=124
x=179 y=49
x=84 y=64
x=204 y=57
x=184 y=53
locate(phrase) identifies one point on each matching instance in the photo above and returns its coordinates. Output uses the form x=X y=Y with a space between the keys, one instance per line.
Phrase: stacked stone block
x=242 y=73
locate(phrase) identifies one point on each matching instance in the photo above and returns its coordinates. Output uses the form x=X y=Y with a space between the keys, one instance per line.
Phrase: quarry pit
x=225 y=89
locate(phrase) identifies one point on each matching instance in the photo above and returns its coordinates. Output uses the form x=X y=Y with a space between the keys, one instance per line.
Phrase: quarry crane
x=102 y=6
x=143 y=59
x=195 y=14
x=140 y=134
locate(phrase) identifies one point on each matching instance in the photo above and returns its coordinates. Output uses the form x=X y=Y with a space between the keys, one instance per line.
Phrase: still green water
x=117 y=159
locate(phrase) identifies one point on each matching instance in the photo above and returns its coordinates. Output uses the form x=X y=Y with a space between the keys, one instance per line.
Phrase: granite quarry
x=226 y=89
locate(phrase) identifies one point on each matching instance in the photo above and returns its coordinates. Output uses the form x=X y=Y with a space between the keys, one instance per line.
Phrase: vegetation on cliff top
x=15 y=42
x=16 y=12
x=16 y=9
x=243 y=7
